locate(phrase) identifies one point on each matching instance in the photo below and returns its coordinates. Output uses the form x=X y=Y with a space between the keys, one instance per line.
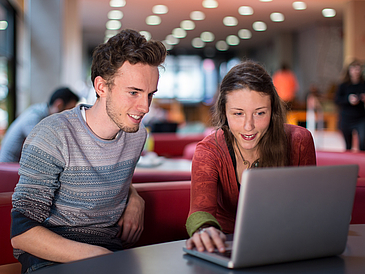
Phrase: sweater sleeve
x=204 y=189
x=39 y=172
x=301 y=144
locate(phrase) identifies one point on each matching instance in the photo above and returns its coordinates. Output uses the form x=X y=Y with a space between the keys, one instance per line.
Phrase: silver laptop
x=289 y=214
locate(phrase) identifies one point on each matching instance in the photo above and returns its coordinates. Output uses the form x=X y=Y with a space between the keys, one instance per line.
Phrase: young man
x=74 y=199
x=62 y=98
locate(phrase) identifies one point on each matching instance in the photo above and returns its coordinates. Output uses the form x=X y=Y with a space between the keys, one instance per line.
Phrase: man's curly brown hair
x=128 y=45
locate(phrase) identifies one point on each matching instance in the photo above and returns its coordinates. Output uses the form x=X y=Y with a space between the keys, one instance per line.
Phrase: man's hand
x=131 y=222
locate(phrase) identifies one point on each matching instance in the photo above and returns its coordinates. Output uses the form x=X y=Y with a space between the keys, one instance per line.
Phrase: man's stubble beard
x=114 y=117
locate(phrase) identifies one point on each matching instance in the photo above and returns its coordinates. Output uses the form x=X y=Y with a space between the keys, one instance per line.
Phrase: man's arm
x=132 y=220
x=45 y=244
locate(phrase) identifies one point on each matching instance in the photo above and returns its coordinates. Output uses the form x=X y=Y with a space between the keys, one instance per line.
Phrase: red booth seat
x=326 y=158
x=172 y=144
x=166 y=210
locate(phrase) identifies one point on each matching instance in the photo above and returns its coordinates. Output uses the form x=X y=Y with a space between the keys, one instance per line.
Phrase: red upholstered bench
x=173 y=144
x=326 y=158
x=167 y=207
x=6 y=250
x=8 y=176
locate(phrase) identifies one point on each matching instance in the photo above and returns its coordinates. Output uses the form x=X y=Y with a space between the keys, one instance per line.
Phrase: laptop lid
x=290 y=213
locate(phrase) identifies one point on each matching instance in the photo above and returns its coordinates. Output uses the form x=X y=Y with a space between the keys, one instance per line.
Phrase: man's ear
x=57 y=106
x=100 y=85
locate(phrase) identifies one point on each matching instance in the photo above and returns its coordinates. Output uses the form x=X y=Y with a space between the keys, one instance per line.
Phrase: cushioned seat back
x=8 y=176
x=167 y=207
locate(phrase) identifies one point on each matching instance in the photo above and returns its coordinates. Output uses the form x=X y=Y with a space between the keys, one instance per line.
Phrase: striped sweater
x=73 y=182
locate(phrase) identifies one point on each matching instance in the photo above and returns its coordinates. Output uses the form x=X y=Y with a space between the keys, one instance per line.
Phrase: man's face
x=130 y=97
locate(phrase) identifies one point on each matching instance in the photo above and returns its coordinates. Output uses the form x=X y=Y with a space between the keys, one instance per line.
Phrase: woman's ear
x=101 y=87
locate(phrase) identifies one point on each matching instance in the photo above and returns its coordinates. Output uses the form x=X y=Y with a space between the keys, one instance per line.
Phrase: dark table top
x=170 y=258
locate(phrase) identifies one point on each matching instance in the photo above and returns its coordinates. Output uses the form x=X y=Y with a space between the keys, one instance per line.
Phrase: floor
x=332 y=141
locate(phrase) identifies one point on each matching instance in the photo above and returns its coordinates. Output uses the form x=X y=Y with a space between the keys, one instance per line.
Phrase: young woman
x=350 y=97
x=249 y=116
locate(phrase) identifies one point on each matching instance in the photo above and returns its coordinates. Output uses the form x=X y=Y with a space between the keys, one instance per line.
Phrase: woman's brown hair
x=273 y=146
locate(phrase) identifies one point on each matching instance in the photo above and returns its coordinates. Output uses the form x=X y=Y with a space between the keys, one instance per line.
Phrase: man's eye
x=133 y=92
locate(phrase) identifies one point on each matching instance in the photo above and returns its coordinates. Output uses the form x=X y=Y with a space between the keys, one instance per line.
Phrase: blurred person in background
x=350 y=97
x=286 y=84
x=11 y=146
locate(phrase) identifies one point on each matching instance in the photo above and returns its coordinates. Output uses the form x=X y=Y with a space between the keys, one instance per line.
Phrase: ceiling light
x=265 y=0
x=197 y=15
x=167 y=46
x=230 y=21
x=328 y=12
x=3 y=25
x=153 y=20
x=146 y=34
x=171 y=40
x=187 y=25
x=244 y=34
x=197 y=43
x=110 y=33
x=207 y=36
x=221 y=45
x=232 y=40
x=113 y=25
x=117 y=3
x=179 y=33
x=259 y=26
x=245 y=10
x=277 y=17
x=299 y=5
x=210 y=4
x=160 y=9
x=115 y=15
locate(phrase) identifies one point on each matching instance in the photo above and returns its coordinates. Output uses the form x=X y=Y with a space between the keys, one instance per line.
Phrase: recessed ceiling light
x=299 y=5
x=160 y=9
x=197 y=15
x=167 y=46
x=277 y=17
x=115 y=15
x=329 y=12
x=232 y=40
x=171 y=40
x=197 y=43
x=110 y=33
x=113 y=25
x=187 y=25
x=117 y=3
x=179 y=33
x=245 y=10
x=221 y=45
x=259 y=26
x=244 y=34
x=146 y=34
x=210 y=4
x=265 y=0
x=207 y=36
x=3 y=25
x=153 y=20
x=230 y=21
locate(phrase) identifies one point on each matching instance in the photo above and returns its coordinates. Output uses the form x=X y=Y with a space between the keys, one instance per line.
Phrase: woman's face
x=248 y=114
x=355 y=72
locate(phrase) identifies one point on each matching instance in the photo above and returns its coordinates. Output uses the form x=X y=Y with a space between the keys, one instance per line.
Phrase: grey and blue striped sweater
x=73 y=182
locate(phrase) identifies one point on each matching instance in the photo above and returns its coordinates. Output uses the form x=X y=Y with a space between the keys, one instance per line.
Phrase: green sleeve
x=198 y=219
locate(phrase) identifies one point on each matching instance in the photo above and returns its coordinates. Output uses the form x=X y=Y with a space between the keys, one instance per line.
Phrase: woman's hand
x=207 y=239
x=353 y=99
